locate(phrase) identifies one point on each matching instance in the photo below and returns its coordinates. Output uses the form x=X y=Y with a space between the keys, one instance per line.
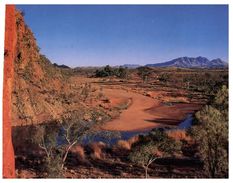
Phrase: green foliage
x=53 y=166
x=211 y=134
x=56 y=139
x=208 y=82
x=165 y=144
x=144 y=156
x=106 y=71
x=144 y=73
x=74 y=127
x=221 y=101
x=205 y=81
x=164 y=77
x=120 y=72
x=151 y=147
x=45 y=136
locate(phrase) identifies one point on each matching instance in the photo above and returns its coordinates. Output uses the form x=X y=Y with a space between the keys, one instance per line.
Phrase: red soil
x=135 y=116
x=9 y=55
x=146 y=112
x=172 y=115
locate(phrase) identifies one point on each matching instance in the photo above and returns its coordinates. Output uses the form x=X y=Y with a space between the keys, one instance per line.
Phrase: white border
x=2 y=28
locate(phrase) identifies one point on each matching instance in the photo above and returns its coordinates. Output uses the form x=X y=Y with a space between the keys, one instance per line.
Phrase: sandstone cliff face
x=42 y=92
x=36 y=81
x=9 y=56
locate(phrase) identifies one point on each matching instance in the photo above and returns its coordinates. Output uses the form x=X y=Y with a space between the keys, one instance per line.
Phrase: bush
x=211 y=135
x=144 y=73
x=57 y=139
x=151 y=147
x=120 y=72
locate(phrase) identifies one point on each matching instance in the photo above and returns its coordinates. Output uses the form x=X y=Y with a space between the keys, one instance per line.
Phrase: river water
x=125 y=135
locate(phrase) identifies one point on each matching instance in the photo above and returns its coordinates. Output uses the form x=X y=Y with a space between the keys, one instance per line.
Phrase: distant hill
x=61 y=66
x=191 y=62
x=131 y=66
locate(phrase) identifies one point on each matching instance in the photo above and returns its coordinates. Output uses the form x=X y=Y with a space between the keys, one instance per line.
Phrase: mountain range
x=191 y=62
x=131 y=66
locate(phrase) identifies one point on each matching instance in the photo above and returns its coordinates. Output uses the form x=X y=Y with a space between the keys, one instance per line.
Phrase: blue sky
x=82 y=35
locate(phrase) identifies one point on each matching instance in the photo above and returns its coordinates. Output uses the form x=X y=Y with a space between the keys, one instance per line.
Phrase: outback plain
x=117 y=121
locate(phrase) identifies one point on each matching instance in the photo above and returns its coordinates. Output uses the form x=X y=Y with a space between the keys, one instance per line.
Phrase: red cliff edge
x=9 y=57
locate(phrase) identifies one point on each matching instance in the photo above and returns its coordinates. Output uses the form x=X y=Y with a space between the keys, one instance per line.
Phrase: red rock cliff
x=9 y=56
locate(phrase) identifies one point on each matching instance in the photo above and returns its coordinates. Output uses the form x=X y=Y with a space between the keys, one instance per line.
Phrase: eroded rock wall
x=9 y=56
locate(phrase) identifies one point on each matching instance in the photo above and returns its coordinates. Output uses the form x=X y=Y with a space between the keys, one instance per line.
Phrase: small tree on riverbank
x=45 y=136
x=73 y=129
x=151 y=147
x=144 y=156
x=57 y=139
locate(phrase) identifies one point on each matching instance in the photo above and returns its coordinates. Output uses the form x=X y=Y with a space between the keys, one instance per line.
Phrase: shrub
x=211 y=135
x=151 y=147
x=120 y=72
x=57 y=139
x=144 y=73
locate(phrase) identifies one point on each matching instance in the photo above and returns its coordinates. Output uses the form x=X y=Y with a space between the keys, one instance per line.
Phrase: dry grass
x=127 y=144
x=179 y=135
x=132 y=140
x=97 y=150
x=123 y=144
x=79 y=151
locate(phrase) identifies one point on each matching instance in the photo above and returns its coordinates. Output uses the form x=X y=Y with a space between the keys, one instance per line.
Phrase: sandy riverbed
x=146 y=112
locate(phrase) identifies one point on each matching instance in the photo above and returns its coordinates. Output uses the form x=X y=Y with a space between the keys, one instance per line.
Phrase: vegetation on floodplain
x=211 y=135
x=151 y=147
x=120 y=72
x=57 y=139
x=144 y=73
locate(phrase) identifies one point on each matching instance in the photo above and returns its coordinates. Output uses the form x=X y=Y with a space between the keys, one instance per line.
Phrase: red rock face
x=9 y=56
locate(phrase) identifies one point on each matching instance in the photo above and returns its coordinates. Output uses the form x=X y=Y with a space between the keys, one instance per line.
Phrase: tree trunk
x=66 y=153
x=146 y=171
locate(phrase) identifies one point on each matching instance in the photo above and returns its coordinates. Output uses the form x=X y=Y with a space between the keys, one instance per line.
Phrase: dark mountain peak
x=201 y=58
x=61 y=66
x=218 y=62
x=192 y=62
